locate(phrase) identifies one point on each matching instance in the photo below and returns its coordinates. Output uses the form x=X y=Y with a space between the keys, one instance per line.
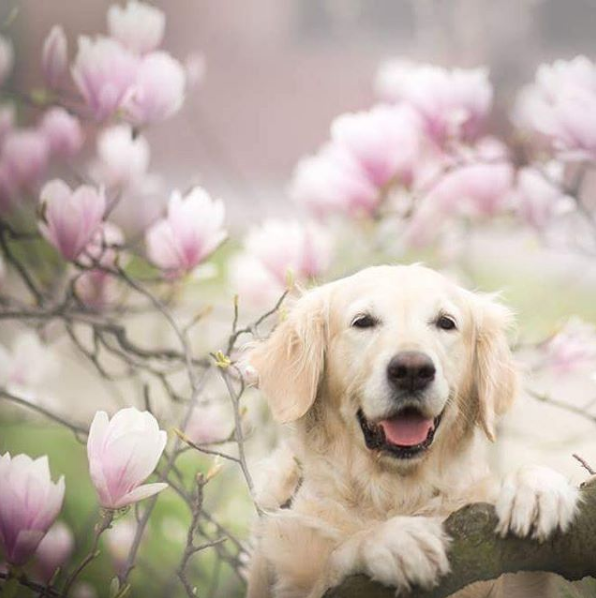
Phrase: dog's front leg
x=401 y=552
x=536 y=502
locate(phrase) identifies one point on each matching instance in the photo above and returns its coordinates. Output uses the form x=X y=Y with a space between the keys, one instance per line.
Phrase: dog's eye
x=364 y=321
x=446 y=322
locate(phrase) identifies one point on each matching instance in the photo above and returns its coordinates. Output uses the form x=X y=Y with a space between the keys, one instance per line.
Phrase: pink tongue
x=408 y=429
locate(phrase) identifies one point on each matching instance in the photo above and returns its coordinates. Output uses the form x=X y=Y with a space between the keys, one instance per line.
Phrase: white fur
x=536 y=501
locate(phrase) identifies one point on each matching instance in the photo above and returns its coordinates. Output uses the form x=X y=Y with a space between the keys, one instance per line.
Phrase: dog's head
x=407 y=362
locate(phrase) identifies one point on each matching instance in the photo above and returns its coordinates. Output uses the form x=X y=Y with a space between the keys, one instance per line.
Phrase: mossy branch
x=478 y=554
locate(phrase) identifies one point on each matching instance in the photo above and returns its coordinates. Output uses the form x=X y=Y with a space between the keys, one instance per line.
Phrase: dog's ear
x=290 y=362
x=495 y=374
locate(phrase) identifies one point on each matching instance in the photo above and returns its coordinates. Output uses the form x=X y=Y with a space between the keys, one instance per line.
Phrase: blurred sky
x=278 y=71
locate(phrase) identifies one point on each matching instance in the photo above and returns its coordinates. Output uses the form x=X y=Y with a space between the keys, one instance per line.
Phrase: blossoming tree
x=94 y=254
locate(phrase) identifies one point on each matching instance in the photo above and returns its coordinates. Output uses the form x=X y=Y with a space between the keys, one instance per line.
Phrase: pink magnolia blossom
x=123 y=452
x=29 y=504
x=138 y=26
x=561 y=105
x=96 y=289
x=104 y=246
x=192 y=229
x=16 y=373
x=158 y=91
x=63 y=132
x=54 y=58
x=539 y=194
x=71 y=218
x=391 y=79
x=6 y=58
x=385 y=142
x=25 y=154
x=208 y=423
x=274 y=252
x=451 y=103
x=119 y=539
x=332 y=181
x=122 y=158
x=104 y=72
x=572 y=348
x=54 y=550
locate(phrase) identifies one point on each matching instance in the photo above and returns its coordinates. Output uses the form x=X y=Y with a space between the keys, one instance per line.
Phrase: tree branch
x=478 y=554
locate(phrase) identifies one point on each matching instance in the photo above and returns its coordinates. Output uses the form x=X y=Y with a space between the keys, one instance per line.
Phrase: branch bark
x=478 y=554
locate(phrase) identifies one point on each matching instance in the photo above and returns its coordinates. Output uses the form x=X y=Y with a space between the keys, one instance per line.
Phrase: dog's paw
x=402 y=552
x=536 y=501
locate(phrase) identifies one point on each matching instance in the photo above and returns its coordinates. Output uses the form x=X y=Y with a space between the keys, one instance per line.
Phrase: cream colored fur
x=358 y=510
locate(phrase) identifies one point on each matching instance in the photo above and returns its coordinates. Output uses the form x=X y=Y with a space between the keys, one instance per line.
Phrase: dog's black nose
x=411 y=370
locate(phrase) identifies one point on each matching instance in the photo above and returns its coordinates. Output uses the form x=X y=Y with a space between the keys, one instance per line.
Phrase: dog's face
x=407 y=361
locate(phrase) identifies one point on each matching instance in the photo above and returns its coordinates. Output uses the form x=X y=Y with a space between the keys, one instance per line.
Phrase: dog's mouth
x=405 y=435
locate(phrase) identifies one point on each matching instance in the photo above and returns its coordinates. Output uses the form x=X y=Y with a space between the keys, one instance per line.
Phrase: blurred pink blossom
x=123 y=158
x=209 y=423
x=70 y=218
x=274 y=251
x=561 y=105
x=539 y=194
x=195 y=67
x=96 y=288
x=158 y=92
x=54 y=550
x=6 y=58
x=104 y=246
x=572 y=348
x=138 y=26
x=25 y=154
x=452 y=103
x=104 y=72
x=331 y=181
x=123 y=452
x=119 y=539
x=192 y=229
x=391 y=78
x=29 y=504
x=385 y=142
x=16 y=373
x=54 y=58
x=63 y=132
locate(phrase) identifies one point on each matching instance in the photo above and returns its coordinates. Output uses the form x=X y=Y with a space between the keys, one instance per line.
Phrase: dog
x=389 y=384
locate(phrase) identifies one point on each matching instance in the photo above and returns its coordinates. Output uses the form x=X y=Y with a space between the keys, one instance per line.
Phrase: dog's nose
x=411 y=370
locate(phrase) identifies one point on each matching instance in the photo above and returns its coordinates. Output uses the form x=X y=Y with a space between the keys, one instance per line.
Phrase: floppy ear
x=290 y=362
x=495 y=374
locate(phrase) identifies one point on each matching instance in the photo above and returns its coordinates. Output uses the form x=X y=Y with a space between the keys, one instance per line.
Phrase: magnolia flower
x=332 y=181
x=70 y=218
x=275 y=251
x=96 y=288
x=119 y=539
x=539 y=194
x=158 y=91
x=123 y=452
x=104 y=72
x=54 y=57
x=451 y=103
x=392 y=77
x=63 y=132
x=208 y=423
x=123 y=158
x=572 y=348
x=54 y=550
x=385 y=142
x=561 y=106
x=29 y=504
x=192 y=229
x=138 y=26
x=479 y=189
x=16 y=373
x=6 y=58
x=25 y=155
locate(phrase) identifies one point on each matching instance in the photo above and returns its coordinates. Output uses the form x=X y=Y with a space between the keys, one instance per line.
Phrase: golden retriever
x=388 y=383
